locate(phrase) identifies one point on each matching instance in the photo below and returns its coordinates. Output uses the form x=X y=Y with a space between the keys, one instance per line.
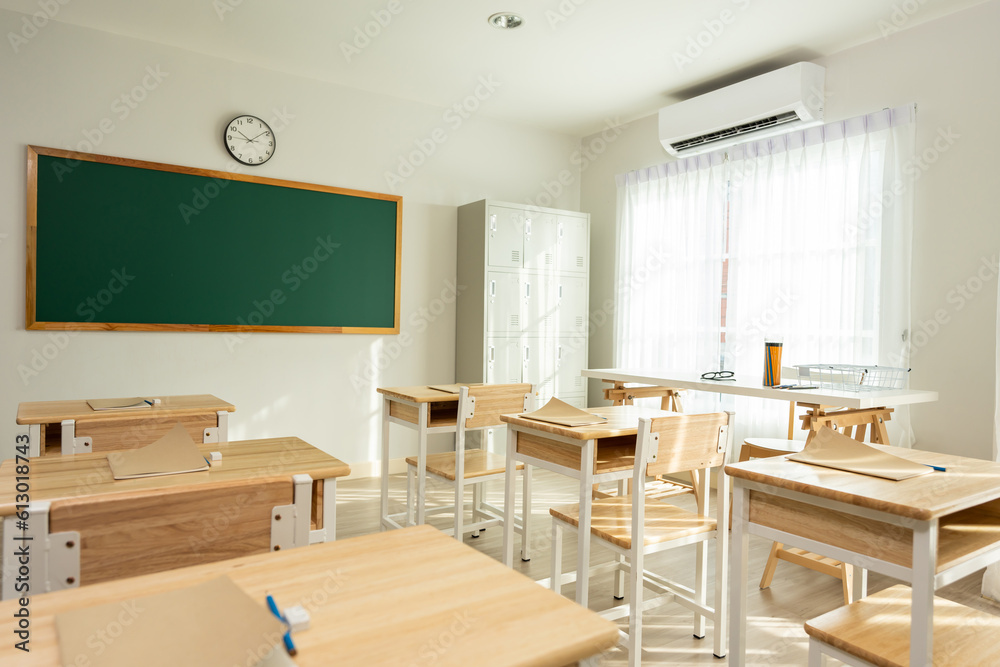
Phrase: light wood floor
x=775 y=633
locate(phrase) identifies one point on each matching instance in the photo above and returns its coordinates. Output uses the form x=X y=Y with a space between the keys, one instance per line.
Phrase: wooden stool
x=852 y=423
x=876 y=631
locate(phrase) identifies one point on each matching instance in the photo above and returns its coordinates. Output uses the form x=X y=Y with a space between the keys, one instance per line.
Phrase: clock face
x=249 y=140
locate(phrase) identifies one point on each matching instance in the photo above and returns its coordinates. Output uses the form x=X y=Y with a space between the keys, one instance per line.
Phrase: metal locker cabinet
x=573 y=234
x=572 y=299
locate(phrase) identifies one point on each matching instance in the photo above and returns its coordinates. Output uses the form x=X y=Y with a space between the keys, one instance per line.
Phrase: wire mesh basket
x=850 y=377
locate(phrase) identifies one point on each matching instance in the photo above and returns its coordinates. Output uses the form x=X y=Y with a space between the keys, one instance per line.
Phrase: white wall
x=61 y=84
x=949 y=68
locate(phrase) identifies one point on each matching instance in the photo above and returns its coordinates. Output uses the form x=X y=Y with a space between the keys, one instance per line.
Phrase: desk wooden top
x=622 y=420
x=82 y=476
x=52 y=412
x=421 y=394
x=752 y=387
x=394 y=598
x=967 y=483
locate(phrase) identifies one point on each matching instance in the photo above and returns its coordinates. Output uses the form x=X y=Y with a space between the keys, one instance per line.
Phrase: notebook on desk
x=118 y=404
x=832 y=449
x=452 y=388
x=206 y=625
x=563 y=414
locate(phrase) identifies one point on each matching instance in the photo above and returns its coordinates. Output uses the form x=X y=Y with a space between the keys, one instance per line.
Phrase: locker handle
x=527 y=227
x=527 y=353
x=527 y=290
x=491 y=354
x=559 y=353
x=493 y=222
x=493 y=288
x=560 y=230
x=560 y=291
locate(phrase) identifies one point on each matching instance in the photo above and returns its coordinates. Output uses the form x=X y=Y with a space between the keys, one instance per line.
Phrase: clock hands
x=255 y=138
x=244 y=136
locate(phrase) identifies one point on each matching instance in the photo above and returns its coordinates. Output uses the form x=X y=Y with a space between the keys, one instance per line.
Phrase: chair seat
x=779 y=446
x=877 y=629
x=478 y=463
x=611 y=520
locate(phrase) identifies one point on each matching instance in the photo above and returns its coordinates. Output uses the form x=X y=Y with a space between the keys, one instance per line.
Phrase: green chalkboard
x=123 y=244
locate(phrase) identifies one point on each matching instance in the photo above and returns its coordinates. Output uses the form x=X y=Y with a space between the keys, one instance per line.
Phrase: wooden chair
x=670 y=399
x=634 y=526
x=852 y=423
x=479 y=408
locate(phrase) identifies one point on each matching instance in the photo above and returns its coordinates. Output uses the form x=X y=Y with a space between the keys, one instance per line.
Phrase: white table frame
x=922 y=576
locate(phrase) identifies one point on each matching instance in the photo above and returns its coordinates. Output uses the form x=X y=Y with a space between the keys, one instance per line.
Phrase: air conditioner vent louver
x=729 y=132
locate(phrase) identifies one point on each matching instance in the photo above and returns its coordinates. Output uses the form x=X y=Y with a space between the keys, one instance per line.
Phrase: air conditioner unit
x=779 y=101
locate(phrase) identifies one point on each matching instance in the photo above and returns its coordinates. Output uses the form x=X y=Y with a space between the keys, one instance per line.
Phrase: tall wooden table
x=590 y=454
x=928 y=531
x=426 y=411
x=73 y=427
x=404 y=597
x=86 y=527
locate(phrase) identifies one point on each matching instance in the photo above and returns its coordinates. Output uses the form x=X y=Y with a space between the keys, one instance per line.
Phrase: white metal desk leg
x=619 y=590
x=508 y=499
x=859 y=586
x=422 y=417
x=738 y=554
x=330 y=508
x=526 y=515
x=384 y=493
x=925 y=543
x=583 y=534
x=34 y=440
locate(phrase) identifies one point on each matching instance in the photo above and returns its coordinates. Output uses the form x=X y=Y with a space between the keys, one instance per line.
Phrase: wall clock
x=249 y=140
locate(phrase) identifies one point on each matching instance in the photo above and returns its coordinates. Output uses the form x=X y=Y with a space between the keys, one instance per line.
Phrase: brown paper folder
x=208 y=625
x=835 y=450
x=118 y=404
x=564 y=414
x=172 y=454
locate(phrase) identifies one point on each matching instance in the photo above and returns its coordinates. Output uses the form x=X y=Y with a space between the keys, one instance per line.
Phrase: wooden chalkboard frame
x=32 y=231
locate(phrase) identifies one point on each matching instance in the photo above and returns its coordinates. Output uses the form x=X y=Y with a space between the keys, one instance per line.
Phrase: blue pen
x=289 y=646
x=938 y=468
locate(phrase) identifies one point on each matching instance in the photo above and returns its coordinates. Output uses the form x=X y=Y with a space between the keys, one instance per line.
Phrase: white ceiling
x=570 y=67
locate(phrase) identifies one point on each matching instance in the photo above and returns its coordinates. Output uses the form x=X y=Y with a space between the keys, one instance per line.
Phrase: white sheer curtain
x=819 y=225
x=669 y=267
x=819 y=253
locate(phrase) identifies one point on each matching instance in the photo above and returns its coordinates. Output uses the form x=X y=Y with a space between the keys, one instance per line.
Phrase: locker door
x=504 y=304
x=505 y=237
x=539 y=355
x=503 y=361
x=572 y=235
x=572 y=299
x=540 y=307
x=571 y=358
x=540 y=241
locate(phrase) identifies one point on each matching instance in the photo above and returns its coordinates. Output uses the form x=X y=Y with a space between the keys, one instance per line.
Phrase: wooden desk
x=590 y=454
x=404 y=597
x=73 y=427
x=426 y=411
x=87 y=527
x=928 y=531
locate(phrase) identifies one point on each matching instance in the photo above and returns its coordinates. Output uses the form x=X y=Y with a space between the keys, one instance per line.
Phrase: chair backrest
x=480 y=406
x=682 y=442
